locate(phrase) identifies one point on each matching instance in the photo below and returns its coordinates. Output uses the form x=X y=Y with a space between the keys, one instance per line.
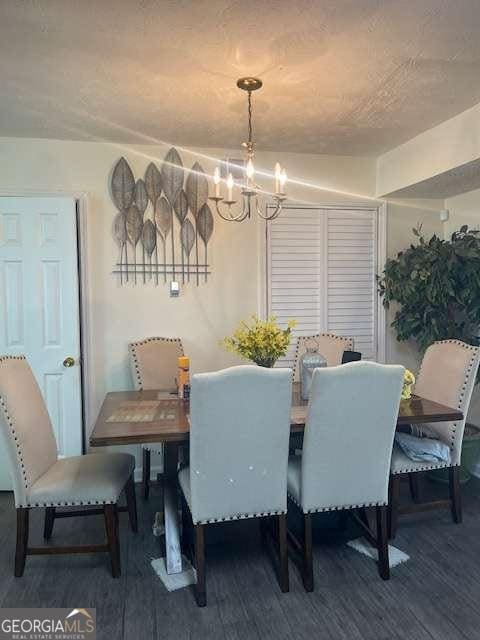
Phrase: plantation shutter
x=321 y=266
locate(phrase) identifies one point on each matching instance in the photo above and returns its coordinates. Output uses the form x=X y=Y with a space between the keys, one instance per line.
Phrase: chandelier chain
x=250 y=116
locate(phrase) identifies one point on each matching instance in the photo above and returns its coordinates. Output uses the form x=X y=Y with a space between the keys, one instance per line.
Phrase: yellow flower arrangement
x=408 y=382
x=261 y=341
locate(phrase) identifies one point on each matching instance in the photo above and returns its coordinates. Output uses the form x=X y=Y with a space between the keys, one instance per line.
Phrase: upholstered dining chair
x=447 y=375
x=345 y=464
x=329 y=345
x=240 y=423
x=154 y=364
x=43 y=480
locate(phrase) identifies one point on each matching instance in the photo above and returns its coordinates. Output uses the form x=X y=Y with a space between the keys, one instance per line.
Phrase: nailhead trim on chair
x=77 y=503
x=348 y=344
x=453 y=428
x=240 y=516
x=11 y=427
x=22 y=465
x=338 y=507
x=133 y=349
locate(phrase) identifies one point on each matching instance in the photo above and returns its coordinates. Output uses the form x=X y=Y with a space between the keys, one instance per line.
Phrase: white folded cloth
x=423 y=449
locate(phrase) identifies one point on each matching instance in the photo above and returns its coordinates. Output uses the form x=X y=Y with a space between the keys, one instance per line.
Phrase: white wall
x=465 y=209
x=402 y=217
x=201 y=316
x=442 y=148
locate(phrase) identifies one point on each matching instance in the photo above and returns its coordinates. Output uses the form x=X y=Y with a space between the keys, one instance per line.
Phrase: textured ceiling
x=341 y=76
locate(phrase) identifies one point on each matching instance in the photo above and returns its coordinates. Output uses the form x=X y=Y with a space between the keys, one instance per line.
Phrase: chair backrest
x=329 y=345
x=155 y=362
x=347 y=447
x=447 y=375
x=239 y=434
x=25 y=428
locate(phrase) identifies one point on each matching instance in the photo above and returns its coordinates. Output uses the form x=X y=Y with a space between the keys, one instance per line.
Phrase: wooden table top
x=162 y=417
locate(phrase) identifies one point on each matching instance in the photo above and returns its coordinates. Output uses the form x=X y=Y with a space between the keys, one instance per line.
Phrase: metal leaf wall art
x=160 y=220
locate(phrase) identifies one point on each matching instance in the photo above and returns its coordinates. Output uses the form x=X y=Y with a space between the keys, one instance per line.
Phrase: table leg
x=173 y=559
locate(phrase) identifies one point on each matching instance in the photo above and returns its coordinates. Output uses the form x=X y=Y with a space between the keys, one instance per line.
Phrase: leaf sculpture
x=196 y=189
x=181 y=211
x=181 y=206
x=163 y=222
x=172 y=175
x=172 y=182
x=187 y=236
x=122 y=185
x=140 y=198
x=120 y=235
x=205 y=229
x=153 y=185
x=149 y=241
x=134 y=231
x=197 y=195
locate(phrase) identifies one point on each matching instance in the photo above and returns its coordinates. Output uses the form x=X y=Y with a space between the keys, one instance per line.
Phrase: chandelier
x=249 y=189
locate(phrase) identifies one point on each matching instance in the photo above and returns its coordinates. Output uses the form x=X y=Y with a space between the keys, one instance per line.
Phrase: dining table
x=160 y=416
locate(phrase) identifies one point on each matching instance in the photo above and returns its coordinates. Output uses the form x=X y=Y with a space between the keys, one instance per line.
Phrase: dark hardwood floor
x=435 y=595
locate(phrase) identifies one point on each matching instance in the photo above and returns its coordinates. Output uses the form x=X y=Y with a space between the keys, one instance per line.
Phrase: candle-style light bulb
x=250 y=169
x=216 y=180
x=278 y=173
x=283 y=180
x=230 y=187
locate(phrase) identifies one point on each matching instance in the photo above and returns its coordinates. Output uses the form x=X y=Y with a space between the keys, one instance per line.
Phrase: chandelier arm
x=273 y=216
x=230 y=218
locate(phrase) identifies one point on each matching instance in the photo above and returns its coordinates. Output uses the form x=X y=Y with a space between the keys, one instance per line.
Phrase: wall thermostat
x=174 y=289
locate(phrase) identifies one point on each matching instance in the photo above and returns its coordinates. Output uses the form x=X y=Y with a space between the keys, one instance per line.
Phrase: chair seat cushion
x=294 y=478
x=401 y=463
x=96 y=478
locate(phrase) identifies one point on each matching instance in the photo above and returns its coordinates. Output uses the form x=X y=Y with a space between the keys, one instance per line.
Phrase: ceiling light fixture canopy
x=249 y=189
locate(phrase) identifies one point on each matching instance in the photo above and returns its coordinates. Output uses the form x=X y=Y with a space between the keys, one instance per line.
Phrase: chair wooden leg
x=283 y=553
x=307 y=553
x=22 y=540
x=49 y=520
x=393 y=502
x=414 y=481
x=146 y=472
x=131 y=503
x=382 y=543
x=111 y=528
x=200 y=587
x=455 y=494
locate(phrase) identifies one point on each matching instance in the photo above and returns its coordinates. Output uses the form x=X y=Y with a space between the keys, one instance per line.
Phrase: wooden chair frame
x=110 y=512
x=302 y=550
x=273 y=531
x=395 y=509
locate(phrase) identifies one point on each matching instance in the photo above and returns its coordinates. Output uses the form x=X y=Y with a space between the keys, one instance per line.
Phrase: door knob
x=69 y=362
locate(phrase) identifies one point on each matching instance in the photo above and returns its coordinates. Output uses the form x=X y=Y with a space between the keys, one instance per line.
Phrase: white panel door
x=39 y=307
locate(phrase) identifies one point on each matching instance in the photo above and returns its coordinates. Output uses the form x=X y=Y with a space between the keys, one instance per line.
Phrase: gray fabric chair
x=42 y=480
x=240 y=424
x=154 y=363
x=447 y=375
x=345 y=464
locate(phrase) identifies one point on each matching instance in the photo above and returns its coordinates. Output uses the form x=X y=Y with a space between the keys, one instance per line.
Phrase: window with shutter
x=321 y=268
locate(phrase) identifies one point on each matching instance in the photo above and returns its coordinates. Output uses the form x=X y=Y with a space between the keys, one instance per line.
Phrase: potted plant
x=261 y=341
x=436 y=285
